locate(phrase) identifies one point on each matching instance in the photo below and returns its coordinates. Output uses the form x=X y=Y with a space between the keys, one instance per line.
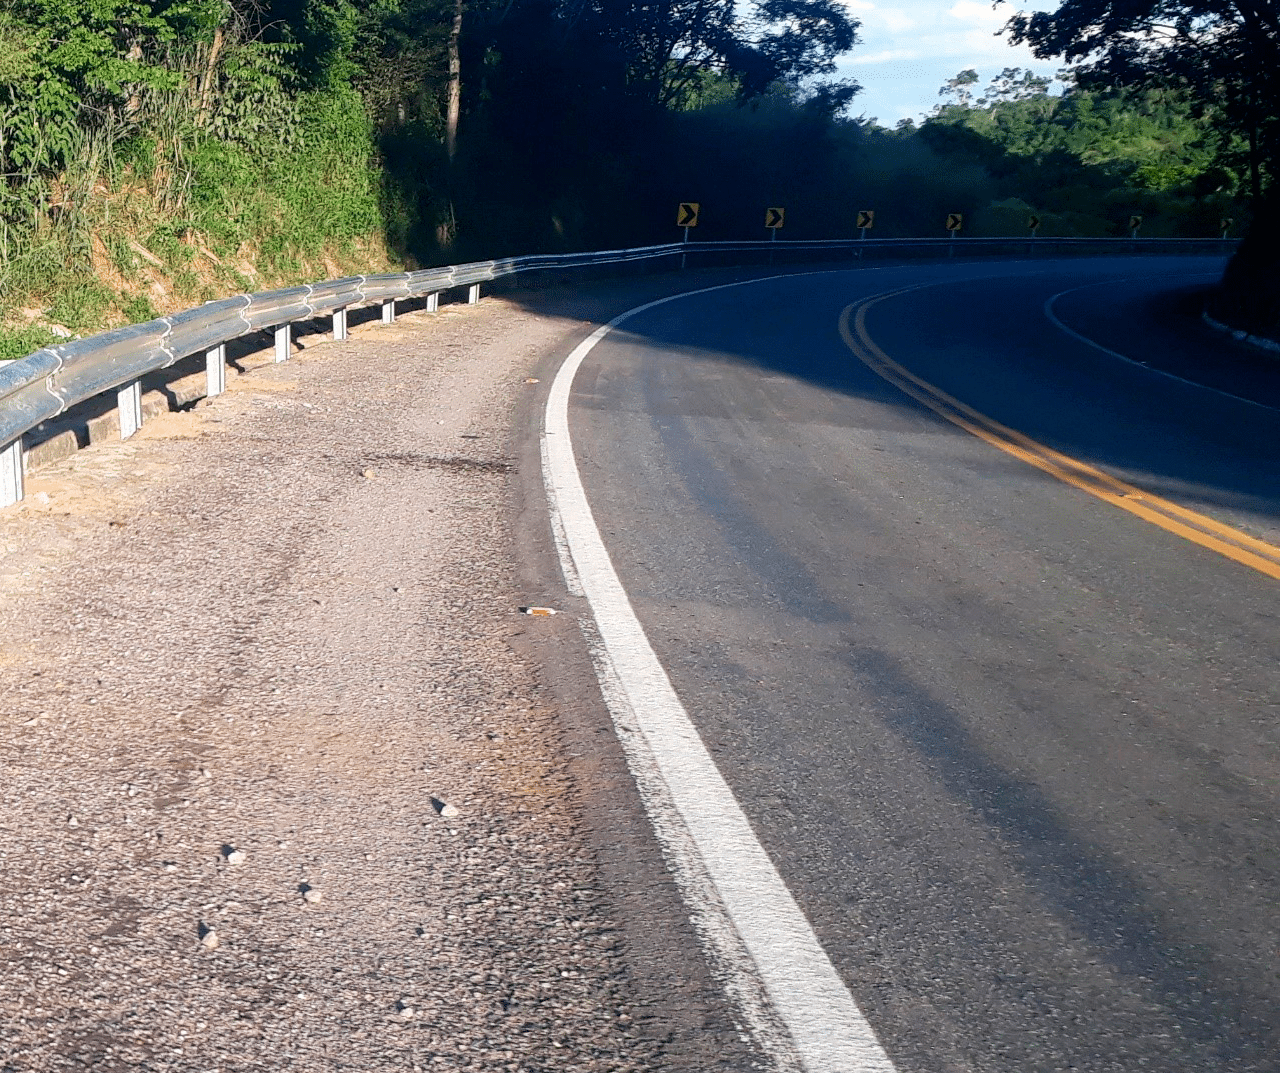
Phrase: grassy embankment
x=146 y=225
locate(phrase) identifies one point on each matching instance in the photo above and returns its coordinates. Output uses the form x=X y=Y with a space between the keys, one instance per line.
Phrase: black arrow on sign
x=774 y=218
x=688 y=214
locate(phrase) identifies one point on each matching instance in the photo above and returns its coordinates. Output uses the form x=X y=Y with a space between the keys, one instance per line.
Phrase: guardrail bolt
x=473 y=294
x=129 y=403
x=389 y=311
x=215 y=370
x=284 y=342
x=11 y=473
x=339 y=325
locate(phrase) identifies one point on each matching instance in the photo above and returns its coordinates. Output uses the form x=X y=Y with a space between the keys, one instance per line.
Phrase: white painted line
x=1057 y=323
x=761 y=946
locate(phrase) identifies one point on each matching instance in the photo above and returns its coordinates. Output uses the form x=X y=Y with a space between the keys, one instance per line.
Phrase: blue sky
x=909 y=49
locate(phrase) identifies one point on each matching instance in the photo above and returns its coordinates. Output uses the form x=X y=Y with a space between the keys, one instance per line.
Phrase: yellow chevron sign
x=866 y=218
x=773 y=218
x=687 y=214
x=955 y=221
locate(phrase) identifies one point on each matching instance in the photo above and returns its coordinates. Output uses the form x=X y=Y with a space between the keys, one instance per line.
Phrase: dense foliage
x=1223 y=58
x=1087 y=159
x=155 y=152
x=1224 y=54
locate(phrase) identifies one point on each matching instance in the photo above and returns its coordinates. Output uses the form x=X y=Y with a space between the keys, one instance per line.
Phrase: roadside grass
x=19 y=342
x=159 y=225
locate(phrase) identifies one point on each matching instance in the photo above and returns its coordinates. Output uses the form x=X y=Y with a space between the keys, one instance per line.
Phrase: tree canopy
x=240 y=143
x=1223 y=52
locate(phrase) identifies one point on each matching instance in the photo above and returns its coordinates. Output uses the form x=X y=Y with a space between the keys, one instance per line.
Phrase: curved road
x=1003 y=717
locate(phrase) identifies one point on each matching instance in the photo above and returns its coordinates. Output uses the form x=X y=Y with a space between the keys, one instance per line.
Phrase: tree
x=1225 y=51
x=667 y=46
x=959 y=88
x=1015 y=84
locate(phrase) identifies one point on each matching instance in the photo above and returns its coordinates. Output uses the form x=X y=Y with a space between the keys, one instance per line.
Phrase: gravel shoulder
x=289 y=783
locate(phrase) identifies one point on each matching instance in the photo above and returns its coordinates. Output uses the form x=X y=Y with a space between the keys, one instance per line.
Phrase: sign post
x=773 y=220
x=687 y=217
x=866 y=221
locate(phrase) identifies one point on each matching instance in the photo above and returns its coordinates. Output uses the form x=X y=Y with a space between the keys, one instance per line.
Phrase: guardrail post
x=284 y=342
x=473 y=294
x=389 y=311
x=433 y=303
x=215 y=370
x=11 y=473
x=339 y=325
x=129 y=403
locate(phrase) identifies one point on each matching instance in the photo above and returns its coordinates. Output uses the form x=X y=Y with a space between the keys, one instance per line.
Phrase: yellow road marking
x=1189 y=524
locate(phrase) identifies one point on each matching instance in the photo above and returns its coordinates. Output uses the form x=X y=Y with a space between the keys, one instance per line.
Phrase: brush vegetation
x=156 y=153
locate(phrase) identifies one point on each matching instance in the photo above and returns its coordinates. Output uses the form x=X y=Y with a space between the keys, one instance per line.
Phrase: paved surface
x=284 y=625
x=1013 y=749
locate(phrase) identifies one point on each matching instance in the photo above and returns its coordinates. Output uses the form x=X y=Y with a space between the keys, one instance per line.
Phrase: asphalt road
x=1013 y=749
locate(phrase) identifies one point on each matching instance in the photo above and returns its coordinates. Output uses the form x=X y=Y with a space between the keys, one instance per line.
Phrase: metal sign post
x=774 y=218
x=687 y=217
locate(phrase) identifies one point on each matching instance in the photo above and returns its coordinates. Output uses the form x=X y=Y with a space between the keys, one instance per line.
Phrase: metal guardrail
x=45 y=384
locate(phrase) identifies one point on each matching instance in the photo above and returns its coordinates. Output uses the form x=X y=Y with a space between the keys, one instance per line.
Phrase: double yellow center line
x=1189 y=524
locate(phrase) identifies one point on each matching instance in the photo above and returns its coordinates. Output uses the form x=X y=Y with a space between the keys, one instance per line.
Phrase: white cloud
x=970 y=11
x=887 y=55
x=910 y=47
x=894 y=19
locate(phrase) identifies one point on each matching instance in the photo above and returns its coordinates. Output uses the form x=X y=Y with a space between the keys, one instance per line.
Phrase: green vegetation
x=1086 y=160
x=1224 y=61
x=154 y=153
x=1223 y=57
x=158 y=154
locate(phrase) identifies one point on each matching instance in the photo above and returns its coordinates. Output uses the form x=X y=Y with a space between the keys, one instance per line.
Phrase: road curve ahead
x=971 y=597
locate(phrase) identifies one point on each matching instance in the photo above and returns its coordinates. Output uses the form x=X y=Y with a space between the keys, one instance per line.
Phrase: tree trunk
x=210 y=73
x=454 y=105
x=1255 y=170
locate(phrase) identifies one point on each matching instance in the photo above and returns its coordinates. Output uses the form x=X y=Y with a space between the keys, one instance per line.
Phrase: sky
x=910 y=48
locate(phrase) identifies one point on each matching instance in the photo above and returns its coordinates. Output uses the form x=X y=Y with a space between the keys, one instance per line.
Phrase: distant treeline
x=1082 y=162
x=156 y=152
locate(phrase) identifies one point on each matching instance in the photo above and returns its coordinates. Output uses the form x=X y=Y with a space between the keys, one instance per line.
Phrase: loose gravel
x=281 y=789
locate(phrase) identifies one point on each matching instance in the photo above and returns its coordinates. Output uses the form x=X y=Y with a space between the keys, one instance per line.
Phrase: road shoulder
x=250 y=657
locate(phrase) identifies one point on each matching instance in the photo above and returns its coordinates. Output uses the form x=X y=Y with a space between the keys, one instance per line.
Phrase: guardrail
x=45 y=384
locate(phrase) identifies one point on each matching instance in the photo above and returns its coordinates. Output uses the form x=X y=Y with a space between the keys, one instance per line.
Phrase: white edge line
x=1260 y=342
x=1057 y=323
x=759 y=942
